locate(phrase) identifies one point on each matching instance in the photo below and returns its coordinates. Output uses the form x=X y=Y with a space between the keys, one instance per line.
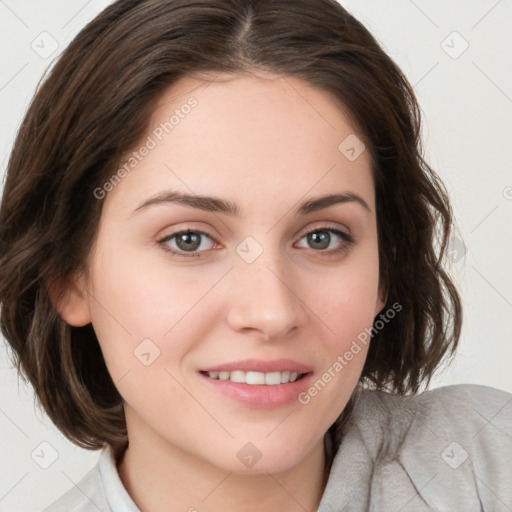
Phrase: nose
x=264 y=298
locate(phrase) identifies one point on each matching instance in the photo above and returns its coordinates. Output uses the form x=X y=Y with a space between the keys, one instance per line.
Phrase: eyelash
x=348 y=239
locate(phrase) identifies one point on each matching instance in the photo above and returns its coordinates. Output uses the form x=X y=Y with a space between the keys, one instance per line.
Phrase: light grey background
x=466 y=98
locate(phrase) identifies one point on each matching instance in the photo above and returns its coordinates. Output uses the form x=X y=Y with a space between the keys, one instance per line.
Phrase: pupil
x=188 y=241
x=319 y=237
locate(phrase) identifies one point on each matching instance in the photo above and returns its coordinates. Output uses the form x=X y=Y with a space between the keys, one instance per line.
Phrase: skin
x=268 y=144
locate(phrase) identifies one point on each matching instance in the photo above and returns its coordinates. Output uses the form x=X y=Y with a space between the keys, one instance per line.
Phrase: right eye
x=187 y=243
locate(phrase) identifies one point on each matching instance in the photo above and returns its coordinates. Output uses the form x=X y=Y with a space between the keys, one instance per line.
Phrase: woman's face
x=248 y=294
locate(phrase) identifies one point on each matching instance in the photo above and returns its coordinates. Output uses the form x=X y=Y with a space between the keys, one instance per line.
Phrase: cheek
x=353 y=312
x=347 y=302
x=348 y=316
x=134 y=300
x=348 y=298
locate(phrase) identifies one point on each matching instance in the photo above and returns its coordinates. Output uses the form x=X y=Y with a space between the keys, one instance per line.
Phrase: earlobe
x=71 y=301
x=382 y=298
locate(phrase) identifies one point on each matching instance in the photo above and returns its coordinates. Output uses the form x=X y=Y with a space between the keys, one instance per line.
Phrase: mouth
x=258 y=383
x=254 y=378
x=261 y=390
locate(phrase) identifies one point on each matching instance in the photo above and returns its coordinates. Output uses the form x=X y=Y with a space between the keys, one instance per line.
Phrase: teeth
x=256 y=378
x=237 y=376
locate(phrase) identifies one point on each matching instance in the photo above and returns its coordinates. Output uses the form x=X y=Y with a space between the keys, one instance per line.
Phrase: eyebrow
x=217 y=205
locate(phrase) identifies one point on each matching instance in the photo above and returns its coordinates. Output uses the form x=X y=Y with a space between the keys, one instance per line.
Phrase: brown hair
x=95 y=105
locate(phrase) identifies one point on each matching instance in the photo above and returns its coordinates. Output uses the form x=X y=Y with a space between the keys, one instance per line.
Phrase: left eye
x=189 y=243
x=321 y=237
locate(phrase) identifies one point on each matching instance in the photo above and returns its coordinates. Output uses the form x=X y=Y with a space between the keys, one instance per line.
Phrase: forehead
x=247 y=137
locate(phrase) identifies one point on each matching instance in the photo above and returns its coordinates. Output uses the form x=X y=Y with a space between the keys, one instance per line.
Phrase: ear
x=382 y=298
x=71 y=300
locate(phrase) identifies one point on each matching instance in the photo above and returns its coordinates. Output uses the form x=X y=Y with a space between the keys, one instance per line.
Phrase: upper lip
x=260 y=365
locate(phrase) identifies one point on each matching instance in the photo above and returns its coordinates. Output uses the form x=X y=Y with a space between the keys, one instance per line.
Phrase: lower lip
x=260 y=396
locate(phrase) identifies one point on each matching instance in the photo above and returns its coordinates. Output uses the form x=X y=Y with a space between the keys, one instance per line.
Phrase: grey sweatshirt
x=448 y=449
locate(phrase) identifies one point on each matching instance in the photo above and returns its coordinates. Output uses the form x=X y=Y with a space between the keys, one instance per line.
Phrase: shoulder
x=460 y=418
x=463 y=407
x=86 y=496
x=440 y=442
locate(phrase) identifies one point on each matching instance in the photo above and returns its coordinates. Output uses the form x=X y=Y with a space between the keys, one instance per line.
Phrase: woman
x=222 y=265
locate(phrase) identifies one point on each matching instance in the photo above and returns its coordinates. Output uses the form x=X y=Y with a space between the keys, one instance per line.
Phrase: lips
x=242 y=381
x=260 y=365
x=259 y=396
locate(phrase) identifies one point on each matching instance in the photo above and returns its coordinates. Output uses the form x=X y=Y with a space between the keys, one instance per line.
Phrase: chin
x=255 y=458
